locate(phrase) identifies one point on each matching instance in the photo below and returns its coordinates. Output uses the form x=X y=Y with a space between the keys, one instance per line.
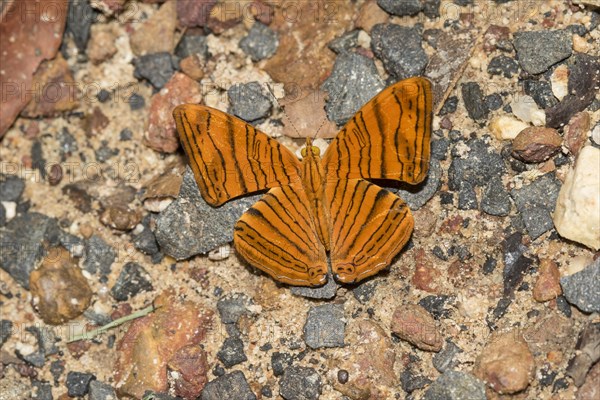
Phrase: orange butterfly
x=316 y=205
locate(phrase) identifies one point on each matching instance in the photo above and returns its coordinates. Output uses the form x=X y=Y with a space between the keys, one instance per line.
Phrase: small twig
x=93 y=333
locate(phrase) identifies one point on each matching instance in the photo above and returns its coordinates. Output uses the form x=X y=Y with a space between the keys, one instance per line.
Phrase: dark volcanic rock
x=300 y=383
x=474 y=101
x=231 y=386
x=260 y=43
x=232 y=352
x=132 y=280
x=582 y=289
x=248 y=102
x=157 y=68
x=539 y=50
x=400 y=49
x=455 y=385
x=325 y=326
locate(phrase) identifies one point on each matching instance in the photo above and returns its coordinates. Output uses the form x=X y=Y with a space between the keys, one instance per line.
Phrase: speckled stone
x=157 y=68
x=539 y=50
x=401 y=8
x=99 y=256
x=456 y=385
x=260 y=43
x=132 y=280
x=325 y=326
x=416 y=196
x=503 y=65
x=474 y=100
x=300 y=383
x=400 y=49
x=232 y=352
x=248 y=101
x=78 y=383
x=582 y=289
x=230 y=386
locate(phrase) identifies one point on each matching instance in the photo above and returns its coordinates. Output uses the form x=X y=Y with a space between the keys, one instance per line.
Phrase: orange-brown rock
x=536 y=144
x=425 y=273
x=576 y=132
x=369 y=15
x=59 y=289
x=157 y=33
x=191 y=366
x=547 y=285
x=414 y=324
x=192 y=67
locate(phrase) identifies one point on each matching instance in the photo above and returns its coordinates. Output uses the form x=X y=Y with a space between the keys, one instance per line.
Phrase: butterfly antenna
x=282 y=109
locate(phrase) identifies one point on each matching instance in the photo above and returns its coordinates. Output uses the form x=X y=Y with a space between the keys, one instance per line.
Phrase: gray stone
x=300 y=383
x=495 y=199
x=401 y=8
x=436 y=305
x=400 y=49
x=79 y=21
x=539 y=50
x=353 y=82
x=493 y=101
x=190 y=226
x=260 y=43
x=11 y=187
x=325 y=326
x=446 y=358
x=157 y=68
x=582 y=289
x=503 y=65
x=455 y=385
x=22 y=243
x=132 y=280
x=101 y=391
x=248 y=102
x=541 y=92
x=232 y=352
x=411 y=380
x=346 y=42
x=192 y=45
x=474 y=101
x=467 y=198
x=99 y=256
x=280 y=361
x=327 y=291
x=231 y=386
x=365 y=291
x=42 y=390
x=478 y=166
x=231 y=308
x=516 y=264
x=535 y=203
x=6 y=330
x=416 y=196
x=78 y=383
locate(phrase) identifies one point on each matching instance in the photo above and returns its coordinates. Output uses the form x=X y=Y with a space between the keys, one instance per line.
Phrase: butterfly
x=318 y=205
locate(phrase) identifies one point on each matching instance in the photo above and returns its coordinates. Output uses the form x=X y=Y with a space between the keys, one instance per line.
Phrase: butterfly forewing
x=370 y=225
x=230 y=157
x=388 y=138
x=278 y=236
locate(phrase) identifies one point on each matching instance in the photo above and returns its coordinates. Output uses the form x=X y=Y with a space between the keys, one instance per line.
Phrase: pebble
x=584 y=73
x=495 y=199
x=589 y=390
x=515 y=263
x=506 y=364
x=101 y=391
x=78 y=383
x=445 y=359
x=136 y=102
x=145 y=241
x=126 y=134
x=467 y=198
x=474 y=100
x=449 y=106
x=494 y=101
x=575 y=133
x=232 y=352
x=535 y=203
x=559 y=81
x=41 y=390
x=248 y=102
x=161 y=24
x=46 y=340
x=353 y=81
x=541 y=92
x=11 y=188
x=327 y=291
x=157 y=68
x=400 y=49
x=120 y=217
x=401 y=8
x=344 y=43
x=577 y=215
x=29 y=231
x=101 y=46
x=586 y=353
x=525 y=108
x=547 y=285
x=192 y=14
x=411 y=381
x=436 y=305
x=455 y=385
x=99 y=256
x=416 y=196
x=300 y=383
x=325 y=326
x=260 y=43
x=505 y=127
x=192 y=45
x=5 y=331
x=231 y=308
x=160 y=134
x=192 y=67
x=60 y=291
x=189 y=226
x=369 y=15
x=280 y=361
x=581 y=289
x=414 y=324
x=230 y=386
x=132 y=280
x=503 y=65
x=79 y=21
x=539 y=50
x=536 y=144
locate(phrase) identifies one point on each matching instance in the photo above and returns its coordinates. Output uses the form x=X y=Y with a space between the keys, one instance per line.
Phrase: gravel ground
x=496 y=296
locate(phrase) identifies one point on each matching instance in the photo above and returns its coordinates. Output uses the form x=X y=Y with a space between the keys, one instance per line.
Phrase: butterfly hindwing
x=278 y=236
x=369 y=226
x=230 y=157
x=388 y=138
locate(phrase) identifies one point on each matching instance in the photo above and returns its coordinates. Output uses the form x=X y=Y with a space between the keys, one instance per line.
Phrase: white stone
x=505 y=127
x=560 y=82
x=220 y=253
x=526 y=110
x=577 y=214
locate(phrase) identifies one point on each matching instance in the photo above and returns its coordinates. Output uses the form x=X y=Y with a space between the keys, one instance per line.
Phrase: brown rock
x=192 y=67
x=160 y=134
x=59 y=289
x=55 y=174
x=506 y=363
x=297 y=124
x=590 y=390
x=576 y=132
x=369 y=15
x=95 y=122
x=26 y=40
x=78 y=348
x=536 y=144
x=194 y=13
x=120 y=217
x=152 y=341
x=414 y=324
x=262 y=11
x=101 y=46
x=425 y=221
x=494 y=34
x=224 y=16
x=588 y=353
x=191 y=366
x=160 y=25
x=547 y=285
x=55 y=90
x=425 y=273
